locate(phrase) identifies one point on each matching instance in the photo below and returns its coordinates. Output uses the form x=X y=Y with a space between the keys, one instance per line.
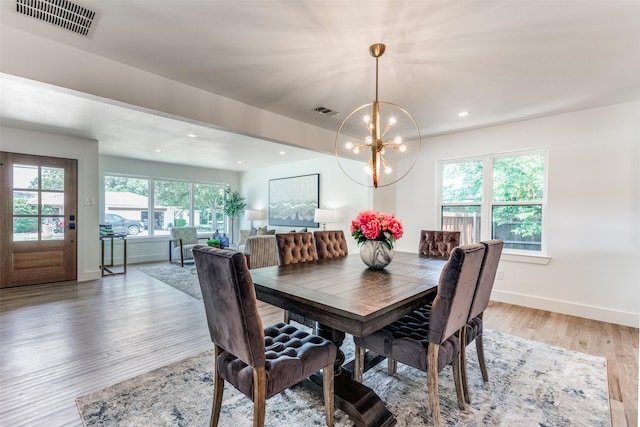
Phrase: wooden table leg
x=360 y=402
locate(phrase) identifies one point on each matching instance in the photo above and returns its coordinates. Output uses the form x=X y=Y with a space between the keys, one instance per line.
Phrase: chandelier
x=381 y=135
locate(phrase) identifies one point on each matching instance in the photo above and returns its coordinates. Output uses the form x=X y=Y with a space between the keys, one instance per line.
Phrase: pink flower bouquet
x=374 y=225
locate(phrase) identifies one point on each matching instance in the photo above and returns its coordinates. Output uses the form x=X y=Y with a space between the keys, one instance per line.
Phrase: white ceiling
x=501 y=61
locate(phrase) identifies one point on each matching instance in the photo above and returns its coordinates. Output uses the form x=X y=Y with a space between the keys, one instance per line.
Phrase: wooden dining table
x=344 y=296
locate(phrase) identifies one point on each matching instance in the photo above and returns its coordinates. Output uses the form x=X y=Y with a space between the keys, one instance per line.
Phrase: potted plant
x=214 y=243
x=234 y=204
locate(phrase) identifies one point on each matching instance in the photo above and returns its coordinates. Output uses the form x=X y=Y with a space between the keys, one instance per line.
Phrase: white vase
x=376 y=254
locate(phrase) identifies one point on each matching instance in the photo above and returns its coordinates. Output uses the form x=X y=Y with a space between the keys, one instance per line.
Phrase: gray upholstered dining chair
x=474 y=328
x=292 y=249
x=429 y=338
x=438 y=243
x=330 y=244
x=259 y=362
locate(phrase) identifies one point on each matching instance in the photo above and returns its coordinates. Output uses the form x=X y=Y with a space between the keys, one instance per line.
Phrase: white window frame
x=151 y=198
x=487 y=202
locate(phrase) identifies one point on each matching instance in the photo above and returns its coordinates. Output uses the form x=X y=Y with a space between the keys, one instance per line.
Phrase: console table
x=106 y=268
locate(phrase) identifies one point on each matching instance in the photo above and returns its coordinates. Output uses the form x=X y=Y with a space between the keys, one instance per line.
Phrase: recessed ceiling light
x=191 y=135
x=283 y=152
x=157 y=150
x=463 y=114
x=239 y=162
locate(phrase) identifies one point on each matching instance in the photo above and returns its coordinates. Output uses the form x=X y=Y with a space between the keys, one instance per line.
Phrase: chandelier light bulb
x=397 y=140
x=368 y=140
x=388 y=170
x=368 y=170
x=392 y=121
x=366 y=119
x=348 y=145
x=403 y=148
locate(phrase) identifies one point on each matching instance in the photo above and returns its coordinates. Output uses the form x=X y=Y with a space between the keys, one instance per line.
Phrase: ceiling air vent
x=325 y=111
x=62 y=13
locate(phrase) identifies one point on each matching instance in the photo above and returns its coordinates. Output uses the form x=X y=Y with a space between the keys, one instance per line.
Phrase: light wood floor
x=60 y=341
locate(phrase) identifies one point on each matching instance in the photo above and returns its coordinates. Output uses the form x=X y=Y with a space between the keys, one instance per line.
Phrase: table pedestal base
x=361 y=403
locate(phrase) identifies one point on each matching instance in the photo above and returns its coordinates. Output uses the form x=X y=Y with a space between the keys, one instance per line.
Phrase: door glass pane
x=25 y=176
x=25 y=202
x=25 y=228
x=52 y=203
x=49 y=228
x=52 y=178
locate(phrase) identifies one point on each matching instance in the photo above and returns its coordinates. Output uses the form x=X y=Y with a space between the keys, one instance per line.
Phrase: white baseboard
x=590 y=312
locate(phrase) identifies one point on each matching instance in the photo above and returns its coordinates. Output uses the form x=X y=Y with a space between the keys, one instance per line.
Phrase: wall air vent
x=62 y=13
x=325 y=111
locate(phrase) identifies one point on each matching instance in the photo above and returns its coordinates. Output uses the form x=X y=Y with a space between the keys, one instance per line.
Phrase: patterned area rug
x=184 y=279
x=530 y=384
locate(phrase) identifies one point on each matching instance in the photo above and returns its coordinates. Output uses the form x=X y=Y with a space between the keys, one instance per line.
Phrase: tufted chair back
x=259 y=362
x=296 y=247
x=487 y=277
x=456 y=288
x=330 y=244
x=438 y=243
x=230 y=299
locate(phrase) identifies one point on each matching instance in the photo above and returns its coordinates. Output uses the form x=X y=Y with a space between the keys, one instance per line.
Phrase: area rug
x=184 y=279
x=530 y=384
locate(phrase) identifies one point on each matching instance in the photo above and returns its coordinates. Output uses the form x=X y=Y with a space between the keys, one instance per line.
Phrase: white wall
x=593 y=216
x=86 y=152
x=337 y=191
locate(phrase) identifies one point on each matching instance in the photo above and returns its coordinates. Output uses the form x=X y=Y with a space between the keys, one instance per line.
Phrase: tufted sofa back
x=330 y=244
x=438 y=244
x=296 y=247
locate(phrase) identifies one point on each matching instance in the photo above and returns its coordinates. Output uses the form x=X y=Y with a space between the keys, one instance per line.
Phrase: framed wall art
x=293 y=201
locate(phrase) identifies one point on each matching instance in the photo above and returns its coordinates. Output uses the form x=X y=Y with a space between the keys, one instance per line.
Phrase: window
x=38 y=203
x=496 y=197
x=131 y=202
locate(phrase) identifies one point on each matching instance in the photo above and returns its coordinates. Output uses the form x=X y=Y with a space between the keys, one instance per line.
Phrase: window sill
x=526 y=258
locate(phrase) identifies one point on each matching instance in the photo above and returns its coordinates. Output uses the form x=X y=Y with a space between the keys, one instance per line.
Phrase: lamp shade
x=323 y=215
x=252 y=214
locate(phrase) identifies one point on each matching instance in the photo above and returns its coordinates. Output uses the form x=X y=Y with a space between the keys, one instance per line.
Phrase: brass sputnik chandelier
x=382 y=129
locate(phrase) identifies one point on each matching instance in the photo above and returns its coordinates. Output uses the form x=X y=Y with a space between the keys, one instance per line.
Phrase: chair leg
x=457 y=380
x=481 y=362
x=392 y=365
x=463 y=364
x=259 y=396
x=432 y=383
x=218 y=389
x=181 y=255
x=359 y=364
x=327 y=387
